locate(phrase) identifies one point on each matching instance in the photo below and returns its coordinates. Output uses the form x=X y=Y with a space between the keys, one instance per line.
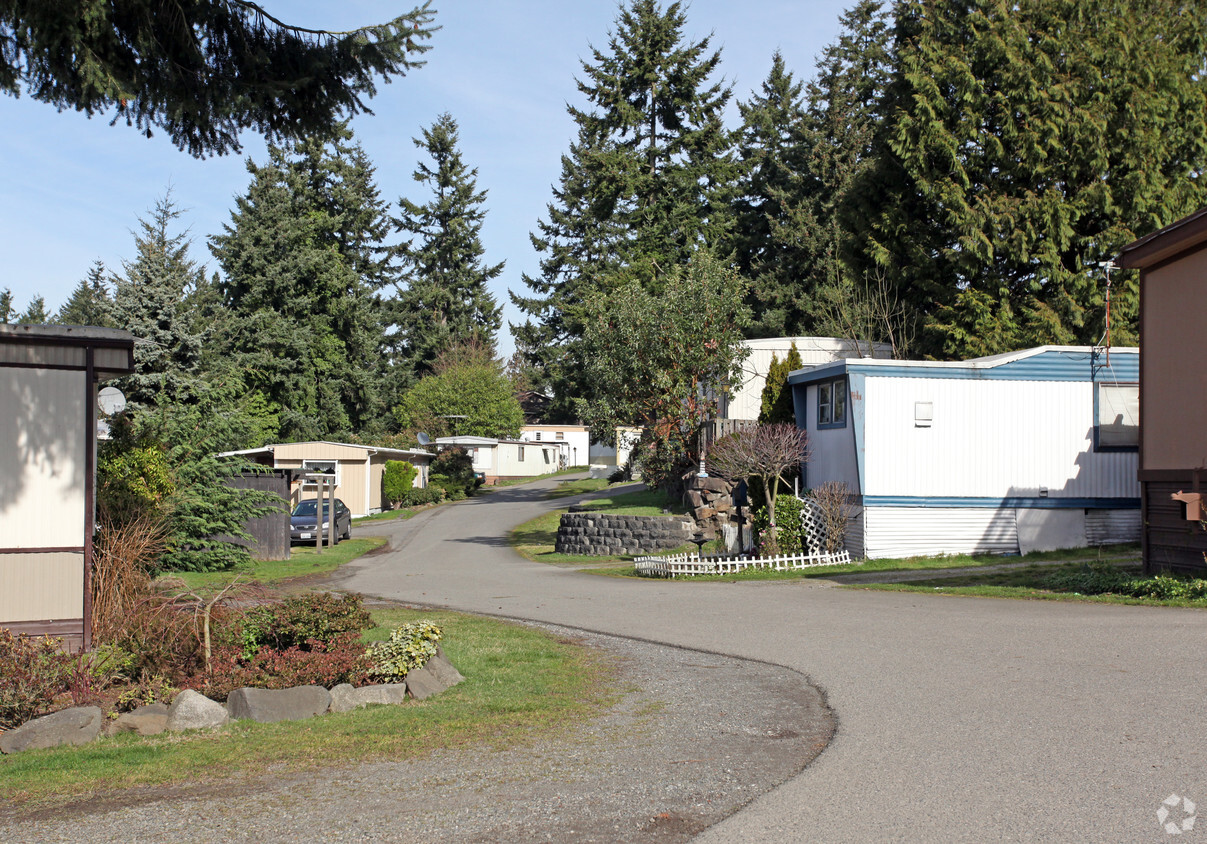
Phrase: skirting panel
x=41 y=586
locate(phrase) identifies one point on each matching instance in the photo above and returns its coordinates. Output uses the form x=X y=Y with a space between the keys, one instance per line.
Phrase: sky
x=72 y=189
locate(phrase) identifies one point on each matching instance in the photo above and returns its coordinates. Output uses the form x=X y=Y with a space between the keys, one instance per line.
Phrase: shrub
x=33 y=670
x=163 y=638
x=454 y=489
x=428 y=495
x=397 y=480
x=341 y=659
x=297 y=621
x=790 y=538
x=150 y=689
x=1103 y=578
x=409 y=646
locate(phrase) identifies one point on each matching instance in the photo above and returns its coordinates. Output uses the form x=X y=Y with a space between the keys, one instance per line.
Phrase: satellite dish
x=423 y=438
x=111 y=401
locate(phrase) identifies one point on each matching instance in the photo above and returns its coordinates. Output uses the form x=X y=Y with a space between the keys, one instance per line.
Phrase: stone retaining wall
x=598 y=534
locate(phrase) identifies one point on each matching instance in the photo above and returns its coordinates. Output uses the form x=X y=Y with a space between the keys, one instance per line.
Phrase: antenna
x=423 y=438
x=111 y=401
x=1106 y=267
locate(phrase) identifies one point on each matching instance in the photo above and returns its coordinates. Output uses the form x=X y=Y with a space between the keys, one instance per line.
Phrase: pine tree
x=35 y=312
x=1027 y=142
x=644 y=185
x=445 y=301
x=301 y=259
x=769 y=223
x=90 y=303
x=776 y=405
x=7 y=312
x=202 y=70
x=150 y=301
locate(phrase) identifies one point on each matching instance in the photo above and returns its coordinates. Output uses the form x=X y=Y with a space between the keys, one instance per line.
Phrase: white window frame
x=1118 y=399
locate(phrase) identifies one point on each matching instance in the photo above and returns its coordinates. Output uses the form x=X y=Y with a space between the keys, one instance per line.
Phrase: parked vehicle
x=303 y=525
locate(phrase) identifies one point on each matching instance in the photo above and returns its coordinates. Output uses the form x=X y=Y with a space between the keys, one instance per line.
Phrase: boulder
x=345 y=697
x=422 y=683
x=443 y=669
x=194 y=711
x=77 y=725
x=148 y=720
x=270 y=705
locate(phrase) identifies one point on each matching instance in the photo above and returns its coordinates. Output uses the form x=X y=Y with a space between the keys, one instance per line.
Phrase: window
x=538 y=436
x=521 y=450
x=1117 y=417
x=561 y=435
x=326 y=467
x=832 y=404
x=546 y=455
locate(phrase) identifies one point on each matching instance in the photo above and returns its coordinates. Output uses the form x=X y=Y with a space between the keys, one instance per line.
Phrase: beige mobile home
x=48 y=418
x=496 y=459
x=357 y=469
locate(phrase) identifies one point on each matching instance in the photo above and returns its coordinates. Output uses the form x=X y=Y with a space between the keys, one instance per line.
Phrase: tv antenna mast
x=1106 y=267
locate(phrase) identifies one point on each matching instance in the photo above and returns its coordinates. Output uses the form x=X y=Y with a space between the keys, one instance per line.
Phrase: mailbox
x=1193 y=502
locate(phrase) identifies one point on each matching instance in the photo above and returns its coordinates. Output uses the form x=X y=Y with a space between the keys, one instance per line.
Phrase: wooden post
x=331 y=517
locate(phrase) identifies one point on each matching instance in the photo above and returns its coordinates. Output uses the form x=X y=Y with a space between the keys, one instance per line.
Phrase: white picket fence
x=679 y=565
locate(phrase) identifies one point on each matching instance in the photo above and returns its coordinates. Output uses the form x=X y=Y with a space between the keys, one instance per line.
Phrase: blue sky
x=73 y=188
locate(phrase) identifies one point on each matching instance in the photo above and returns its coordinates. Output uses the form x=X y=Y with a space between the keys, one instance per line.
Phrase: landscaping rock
x=148 y=720
x=443 y=669
x=608 y=533
x=77 y=725
x=270 y=705
x=345 y=697
x=423 y=683
x=194 y=711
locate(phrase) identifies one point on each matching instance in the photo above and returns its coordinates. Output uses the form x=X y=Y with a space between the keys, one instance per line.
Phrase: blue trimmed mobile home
x=1025 y=451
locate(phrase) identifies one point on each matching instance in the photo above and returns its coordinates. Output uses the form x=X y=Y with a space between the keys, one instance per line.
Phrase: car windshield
x=307 y=508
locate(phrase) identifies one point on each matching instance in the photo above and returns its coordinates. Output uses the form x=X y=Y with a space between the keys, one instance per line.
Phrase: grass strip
x=303 y=561
x=520 y=683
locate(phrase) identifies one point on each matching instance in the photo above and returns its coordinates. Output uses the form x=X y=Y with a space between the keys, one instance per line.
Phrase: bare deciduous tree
x=763 y=451
x=833 y=499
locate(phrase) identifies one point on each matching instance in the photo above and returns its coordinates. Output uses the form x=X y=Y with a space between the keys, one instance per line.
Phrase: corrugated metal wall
x=989 y=439
x=926 y=531
x=1109 y=527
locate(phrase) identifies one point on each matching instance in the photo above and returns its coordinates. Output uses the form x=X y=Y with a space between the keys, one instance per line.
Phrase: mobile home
x=1018 y=452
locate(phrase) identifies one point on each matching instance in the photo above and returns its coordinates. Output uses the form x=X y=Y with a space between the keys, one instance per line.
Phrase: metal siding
x=319 y=451
x=747 y=398
x=920 y=531
x=1108 y=527
x=993 y=439
x=831 y=450
x=41 y=586
x=42 y=466
x=351 y=487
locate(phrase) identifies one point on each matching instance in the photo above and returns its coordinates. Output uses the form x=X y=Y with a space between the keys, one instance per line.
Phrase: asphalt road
x=959 y=719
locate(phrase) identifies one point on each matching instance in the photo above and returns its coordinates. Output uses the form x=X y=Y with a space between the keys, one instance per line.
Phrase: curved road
x=959 y=719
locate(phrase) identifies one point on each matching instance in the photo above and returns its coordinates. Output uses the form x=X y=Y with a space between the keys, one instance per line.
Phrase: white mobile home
x=1019 y=452
x=496 y=459
x=573 y=441
x=745 y=399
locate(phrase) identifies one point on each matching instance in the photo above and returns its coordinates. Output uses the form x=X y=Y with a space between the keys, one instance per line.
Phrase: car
x=303 y=525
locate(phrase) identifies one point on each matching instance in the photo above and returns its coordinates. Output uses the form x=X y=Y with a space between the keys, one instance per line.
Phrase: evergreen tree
x=35 y=312
x=150 y=301
x=776 y=405
x=645 y=183
x=445 y=301
x=301 y=259
x=769 y=226
x=89 y=303
x=7 y=312
x=1027 y=142
x=202 y=70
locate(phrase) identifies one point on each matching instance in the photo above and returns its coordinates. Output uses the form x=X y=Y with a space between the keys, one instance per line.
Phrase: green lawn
x=573 y=470
x=387 y=515
x=303 y=560
x=537 y=538
x=578 y=486
x=519 y=682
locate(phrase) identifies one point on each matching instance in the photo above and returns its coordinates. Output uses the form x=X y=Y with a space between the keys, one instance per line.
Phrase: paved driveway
x=959 y=719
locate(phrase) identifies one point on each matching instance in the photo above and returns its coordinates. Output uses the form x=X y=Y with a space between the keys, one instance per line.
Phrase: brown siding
x=270 y=533
x=1173 y=399
x=1172 y=542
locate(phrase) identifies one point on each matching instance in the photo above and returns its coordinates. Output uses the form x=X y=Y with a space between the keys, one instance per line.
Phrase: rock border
x=191 y=710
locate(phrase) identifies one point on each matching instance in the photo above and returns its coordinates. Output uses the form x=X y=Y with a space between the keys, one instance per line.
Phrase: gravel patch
x=694 y=737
